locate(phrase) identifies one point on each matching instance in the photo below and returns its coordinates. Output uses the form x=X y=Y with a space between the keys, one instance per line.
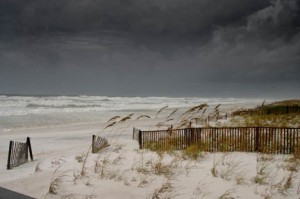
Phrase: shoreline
x=122 y=170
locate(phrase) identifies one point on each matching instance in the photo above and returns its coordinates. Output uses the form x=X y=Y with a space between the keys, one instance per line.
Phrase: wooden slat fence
x=135 y=134
x=18 y=153
x=247 y=139
x=98 y=143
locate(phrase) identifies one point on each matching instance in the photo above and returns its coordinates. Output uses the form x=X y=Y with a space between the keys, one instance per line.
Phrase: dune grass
x=166 y=163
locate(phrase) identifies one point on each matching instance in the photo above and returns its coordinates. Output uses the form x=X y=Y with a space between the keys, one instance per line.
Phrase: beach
x=64 y=167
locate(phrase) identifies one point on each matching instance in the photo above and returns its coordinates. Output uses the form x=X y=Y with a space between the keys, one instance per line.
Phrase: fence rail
x=247 y=139
x=18 y=153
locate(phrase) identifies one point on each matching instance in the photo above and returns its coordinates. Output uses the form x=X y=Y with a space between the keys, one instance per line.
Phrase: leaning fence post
x=133 y=133
x=140 y=139
x=26 y=150
x=29 y=147
x=93 y=141
x=9 y=155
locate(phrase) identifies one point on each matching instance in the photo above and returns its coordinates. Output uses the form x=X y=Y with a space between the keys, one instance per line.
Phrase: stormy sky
x=205 y=48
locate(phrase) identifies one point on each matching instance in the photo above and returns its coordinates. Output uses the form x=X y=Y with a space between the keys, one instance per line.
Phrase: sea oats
x=113 y=118
x=160 y=110
x=110 y=125
x=142 y=116
x=172 y=113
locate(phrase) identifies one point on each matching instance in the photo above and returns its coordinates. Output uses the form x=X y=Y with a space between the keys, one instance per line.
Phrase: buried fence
x=247 y=139
x=98 y=143
x=18 y=153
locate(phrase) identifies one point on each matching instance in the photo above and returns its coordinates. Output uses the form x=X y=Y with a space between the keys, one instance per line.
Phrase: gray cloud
x=131 y=47
x=157 y=18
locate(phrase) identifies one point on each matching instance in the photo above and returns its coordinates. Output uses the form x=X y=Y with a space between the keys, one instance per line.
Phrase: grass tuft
x=55 y=181
x=193 y=151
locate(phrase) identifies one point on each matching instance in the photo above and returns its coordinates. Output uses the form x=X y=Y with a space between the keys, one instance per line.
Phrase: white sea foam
x=27 y=111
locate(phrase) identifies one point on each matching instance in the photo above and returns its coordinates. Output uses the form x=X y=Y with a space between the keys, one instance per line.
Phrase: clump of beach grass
x=83 y=171
x=286 y=184
x=156 y=165
x=193 y=151
x=201 y=189
x=262 y=175
x=214 y=170
x=227 y=168
x=54 y=185
x=105 y=159
x=164 y=191
x=228 y=194
x=80 y=157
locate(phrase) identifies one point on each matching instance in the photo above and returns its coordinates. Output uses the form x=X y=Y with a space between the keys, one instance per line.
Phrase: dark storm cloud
x=141 y=47
x=168 y=17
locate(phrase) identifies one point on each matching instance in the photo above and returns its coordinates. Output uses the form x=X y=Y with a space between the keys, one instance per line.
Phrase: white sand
x=127 y=172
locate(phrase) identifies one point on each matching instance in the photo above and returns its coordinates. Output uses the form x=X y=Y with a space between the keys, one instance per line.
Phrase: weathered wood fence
x=135 y=134
x=98 y=143
x=247 y=139
x=18 y=153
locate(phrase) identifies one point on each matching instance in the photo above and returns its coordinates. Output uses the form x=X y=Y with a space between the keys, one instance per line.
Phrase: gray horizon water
x=18 y=112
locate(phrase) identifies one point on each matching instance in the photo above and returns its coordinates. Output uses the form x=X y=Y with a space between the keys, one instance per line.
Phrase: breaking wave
x=61 y=106
x=25 y=111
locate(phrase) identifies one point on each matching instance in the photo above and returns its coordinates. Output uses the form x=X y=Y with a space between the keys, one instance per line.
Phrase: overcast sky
x=205 y=48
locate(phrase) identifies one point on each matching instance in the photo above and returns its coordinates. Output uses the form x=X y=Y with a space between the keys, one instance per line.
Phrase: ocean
x=43 y=111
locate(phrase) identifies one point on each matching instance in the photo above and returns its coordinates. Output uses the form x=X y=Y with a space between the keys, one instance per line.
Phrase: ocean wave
x=43 y=105
x=63 y=106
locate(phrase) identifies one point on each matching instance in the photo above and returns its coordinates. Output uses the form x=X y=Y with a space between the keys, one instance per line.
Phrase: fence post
x=133 y=130
x=93 y=141
x=193 y=135
x=199 y=136
x=9 y=155
x=291 y=140
x=26 y=150
x=213 y=139
x=29 y=147
x=257 y=147
x=187 y=140
x=140 y=139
